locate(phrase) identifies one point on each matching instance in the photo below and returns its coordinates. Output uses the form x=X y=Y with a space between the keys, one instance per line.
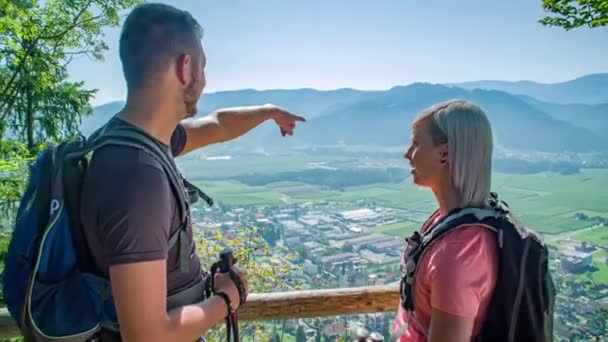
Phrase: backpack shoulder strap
x=456 y=219
x=419 y=244
x=126 y=136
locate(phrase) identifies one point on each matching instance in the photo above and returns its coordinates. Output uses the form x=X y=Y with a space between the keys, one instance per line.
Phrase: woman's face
x=428 y=162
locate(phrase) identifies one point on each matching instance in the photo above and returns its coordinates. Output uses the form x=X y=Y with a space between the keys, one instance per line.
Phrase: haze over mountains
x=589 y=89
x=569 y=116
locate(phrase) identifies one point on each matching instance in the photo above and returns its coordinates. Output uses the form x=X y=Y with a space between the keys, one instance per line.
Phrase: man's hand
x=140 y=295
x=223 y=283
x=284 y=119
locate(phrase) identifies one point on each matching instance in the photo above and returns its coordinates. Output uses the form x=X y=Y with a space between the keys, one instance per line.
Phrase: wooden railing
x=296 y=304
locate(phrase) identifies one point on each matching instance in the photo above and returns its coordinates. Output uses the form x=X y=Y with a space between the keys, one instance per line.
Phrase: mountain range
x=569 y=116
x=589 y=89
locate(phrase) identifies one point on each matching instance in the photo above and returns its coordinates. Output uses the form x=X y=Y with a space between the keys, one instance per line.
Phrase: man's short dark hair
x=153 y=34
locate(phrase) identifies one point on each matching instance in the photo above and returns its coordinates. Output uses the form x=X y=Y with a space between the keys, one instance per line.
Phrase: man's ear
x=184 y=69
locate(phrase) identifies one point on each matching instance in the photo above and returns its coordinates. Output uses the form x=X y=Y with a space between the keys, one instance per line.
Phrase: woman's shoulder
x=477 y=233
x=471 y=242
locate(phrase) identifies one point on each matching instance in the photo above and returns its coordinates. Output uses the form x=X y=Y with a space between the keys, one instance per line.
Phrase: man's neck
x=157 y=118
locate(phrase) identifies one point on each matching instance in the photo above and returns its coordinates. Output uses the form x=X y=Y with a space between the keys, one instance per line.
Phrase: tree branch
x=73 y=26
x=68 y=61
x=80 y=52
x=74 y=23
x=30 y=49
x=10 y=101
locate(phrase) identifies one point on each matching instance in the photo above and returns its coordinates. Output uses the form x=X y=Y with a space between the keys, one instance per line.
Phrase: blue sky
x=329 y=44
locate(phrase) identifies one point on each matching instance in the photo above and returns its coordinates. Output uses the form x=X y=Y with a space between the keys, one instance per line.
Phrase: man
x=128 y=209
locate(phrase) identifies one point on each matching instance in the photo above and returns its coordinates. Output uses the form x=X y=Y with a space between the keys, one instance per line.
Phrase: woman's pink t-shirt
x=457 y=276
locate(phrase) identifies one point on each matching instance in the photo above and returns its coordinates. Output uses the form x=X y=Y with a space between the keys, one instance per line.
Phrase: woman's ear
x=443 y=154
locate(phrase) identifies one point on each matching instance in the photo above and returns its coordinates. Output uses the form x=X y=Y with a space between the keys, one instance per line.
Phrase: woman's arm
x=449 y=328
x=462 y=279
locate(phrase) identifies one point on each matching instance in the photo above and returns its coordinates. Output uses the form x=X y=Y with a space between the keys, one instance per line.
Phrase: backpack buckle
x=413 y=241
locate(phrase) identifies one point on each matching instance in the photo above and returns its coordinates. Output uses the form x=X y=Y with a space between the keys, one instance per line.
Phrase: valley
x=344 y=219
x=330 y=206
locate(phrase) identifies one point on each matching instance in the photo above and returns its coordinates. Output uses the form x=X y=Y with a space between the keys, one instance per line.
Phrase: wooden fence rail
x=294 y=304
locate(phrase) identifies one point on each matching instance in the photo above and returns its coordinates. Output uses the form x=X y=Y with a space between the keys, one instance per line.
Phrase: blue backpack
x=51 y=288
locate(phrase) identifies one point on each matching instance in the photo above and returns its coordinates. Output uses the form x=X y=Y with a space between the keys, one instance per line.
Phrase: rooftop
x=337 y=257
x=359 y=214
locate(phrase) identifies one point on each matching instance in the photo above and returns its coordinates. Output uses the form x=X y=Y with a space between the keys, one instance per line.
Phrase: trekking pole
x=227 y=261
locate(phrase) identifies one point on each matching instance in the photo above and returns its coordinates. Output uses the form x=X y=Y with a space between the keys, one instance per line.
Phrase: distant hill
x=563 y=112
x=386 y=118
x=383 y=117
x=590 y=89
x=307 y=102
x=101 y=115
x=310 y=102
x=593 y=118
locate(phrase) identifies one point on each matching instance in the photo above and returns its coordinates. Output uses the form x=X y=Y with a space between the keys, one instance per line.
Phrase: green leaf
x=571 y=14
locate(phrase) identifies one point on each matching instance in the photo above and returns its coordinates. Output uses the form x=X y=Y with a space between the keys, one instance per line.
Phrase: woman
x=451 y=153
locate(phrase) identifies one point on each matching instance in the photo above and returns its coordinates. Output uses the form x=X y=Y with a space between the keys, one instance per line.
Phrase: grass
x=601 y=275
x=546 y=222
x=236 y=193
x=592 y=213
x=549 y=200
x=401 y=229
x=545 y=202
x=199 y=167
x=596 y=236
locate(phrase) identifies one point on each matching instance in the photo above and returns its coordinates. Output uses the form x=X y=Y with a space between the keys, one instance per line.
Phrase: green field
x=557 y=198
x=596 y=236
x=601 y=275
x=193 y=167
x=546 y=202
x=236 y=193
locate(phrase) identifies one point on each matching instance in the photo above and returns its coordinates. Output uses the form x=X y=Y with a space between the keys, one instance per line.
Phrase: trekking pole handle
x=227 y=260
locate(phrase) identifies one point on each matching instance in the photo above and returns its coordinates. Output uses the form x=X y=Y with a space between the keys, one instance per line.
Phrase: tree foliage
x=38 y=41
x=266 y=268
x=12 y=178
x=38 y=105
x=570 y=14
x=271 y=234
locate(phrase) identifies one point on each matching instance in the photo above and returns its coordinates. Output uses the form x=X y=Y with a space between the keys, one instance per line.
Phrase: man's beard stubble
x=191 y=97
x=190 y=100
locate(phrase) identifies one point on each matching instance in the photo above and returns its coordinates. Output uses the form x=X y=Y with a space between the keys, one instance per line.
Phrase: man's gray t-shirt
x=128 y=211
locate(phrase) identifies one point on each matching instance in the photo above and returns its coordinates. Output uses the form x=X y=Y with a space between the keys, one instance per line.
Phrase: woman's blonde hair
x=467 y=131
